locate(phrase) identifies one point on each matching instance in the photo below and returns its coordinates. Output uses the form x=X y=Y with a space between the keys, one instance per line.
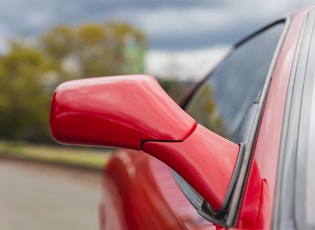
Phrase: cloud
x=175 y=28
x=184 y=65
x=169 y=24
x=203 y=24
x=186 y=37
x=3 y=34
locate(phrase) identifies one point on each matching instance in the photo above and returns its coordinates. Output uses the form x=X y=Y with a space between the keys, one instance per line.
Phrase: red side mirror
x=116 y=111
x=135 y=112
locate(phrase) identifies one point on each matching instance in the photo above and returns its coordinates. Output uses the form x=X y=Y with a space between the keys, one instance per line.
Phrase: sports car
x=237 y=153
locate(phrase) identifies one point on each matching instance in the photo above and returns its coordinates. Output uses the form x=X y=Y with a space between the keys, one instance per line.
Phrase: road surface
x=34 y=196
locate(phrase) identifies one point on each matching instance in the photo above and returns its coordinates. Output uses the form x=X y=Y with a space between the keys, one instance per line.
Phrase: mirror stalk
x=134 y=112
x=204 y=159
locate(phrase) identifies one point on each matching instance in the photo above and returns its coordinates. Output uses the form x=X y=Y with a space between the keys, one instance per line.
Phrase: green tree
x=29 y=72
x=23 y=102
x=94 y=49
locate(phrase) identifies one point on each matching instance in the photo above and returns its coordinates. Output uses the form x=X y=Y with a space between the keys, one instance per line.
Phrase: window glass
x=222 y=101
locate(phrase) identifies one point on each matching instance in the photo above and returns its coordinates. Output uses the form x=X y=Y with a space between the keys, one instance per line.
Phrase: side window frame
x=252 y=133
x=254 y=115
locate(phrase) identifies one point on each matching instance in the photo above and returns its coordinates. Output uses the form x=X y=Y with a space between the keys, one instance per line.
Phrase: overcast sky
x=170 y=25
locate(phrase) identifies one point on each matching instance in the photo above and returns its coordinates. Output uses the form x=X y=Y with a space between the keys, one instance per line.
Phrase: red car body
x=140 y=191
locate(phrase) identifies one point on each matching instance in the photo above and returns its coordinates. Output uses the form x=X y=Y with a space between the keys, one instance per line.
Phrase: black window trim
x=238 y=192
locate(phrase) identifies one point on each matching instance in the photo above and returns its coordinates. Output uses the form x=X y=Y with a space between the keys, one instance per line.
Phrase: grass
x=78 y=156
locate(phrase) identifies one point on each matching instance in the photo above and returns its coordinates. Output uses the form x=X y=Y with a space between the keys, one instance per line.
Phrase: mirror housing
x=119 y=111
x=134 y=112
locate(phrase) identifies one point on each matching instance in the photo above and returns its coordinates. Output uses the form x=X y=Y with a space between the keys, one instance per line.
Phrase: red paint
x=117 y=111
x=134 y=112
x=268 y=140
x=141 y=191
x=201 y=159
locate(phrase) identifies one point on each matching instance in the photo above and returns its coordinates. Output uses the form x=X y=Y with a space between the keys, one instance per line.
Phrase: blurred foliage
x=176 y=89
x=90 y=49
x=24 y=102
x=30 y=71
x=204 y=109
x=91 y=158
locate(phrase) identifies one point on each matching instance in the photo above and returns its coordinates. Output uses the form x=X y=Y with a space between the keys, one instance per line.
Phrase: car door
x=244 y=100
x=294 y=196
x=229 y=101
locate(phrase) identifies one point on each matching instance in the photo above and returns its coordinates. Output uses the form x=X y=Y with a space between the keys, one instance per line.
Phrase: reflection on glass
x=205 y=110
x=222 y=101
